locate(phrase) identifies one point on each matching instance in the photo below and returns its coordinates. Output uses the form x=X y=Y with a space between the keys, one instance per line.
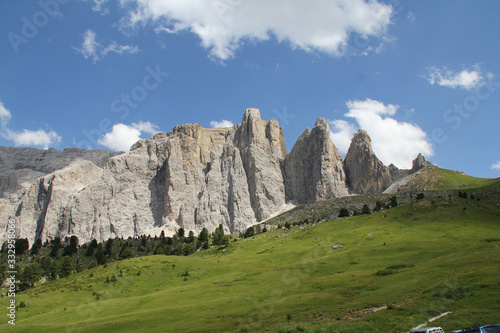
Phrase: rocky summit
x=192 y=177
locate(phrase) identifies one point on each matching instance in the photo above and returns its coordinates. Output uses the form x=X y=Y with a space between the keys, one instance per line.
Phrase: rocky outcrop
x=192 y=177
x=314 y=168
x=20 y=167
x=420 y=163
x=365 y=173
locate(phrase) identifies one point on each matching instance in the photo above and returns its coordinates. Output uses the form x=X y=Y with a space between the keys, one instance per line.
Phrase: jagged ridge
x=195 y=177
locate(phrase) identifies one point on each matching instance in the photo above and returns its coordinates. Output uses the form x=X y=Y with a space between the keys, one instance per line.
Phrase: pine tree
x=203 y=237
x=66 y=266
x=99 y=255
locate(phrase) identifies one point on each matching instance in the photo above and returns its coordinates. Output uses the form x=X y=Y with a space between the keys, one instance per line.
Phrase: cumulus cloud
x=146 y=127
x=496 y=166
x=467 y=79
x=122 y=136
x=40 y=138
x=224 y=26
x=222 y=123
x=392 y=141
x=94 y=50
x=341 y=134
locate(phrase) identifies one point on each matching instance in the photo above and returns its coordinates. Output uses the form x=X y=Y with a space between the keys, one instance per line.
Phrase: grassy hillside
x=437 y=179
x=396 y=269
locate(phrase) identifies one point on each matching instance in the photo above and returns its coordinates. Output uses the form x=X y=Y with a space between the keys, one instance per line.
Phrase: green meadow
x=396 y=269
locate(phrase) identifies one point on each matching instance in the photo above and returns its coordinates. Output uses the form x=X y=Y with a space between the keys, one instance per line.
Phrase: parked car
x=428 y=330
x=481 y=329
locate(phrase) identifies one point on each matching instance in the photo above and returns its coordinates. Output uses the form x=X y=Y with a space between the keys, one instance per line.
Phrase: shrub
x=394 y=201
x=250 y=232
x=344 y=212
x=127 y=253
x=366 y=210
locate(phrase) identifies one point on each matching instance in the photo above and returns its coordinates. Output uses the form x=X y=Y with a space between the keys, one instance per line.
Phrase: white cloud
x=26 y=137
x=392 y=141
x=222 y=123
x=91 y=48
x=120 y=49
x=411 y=17
x=341 y=134
x=223 y=26
x=39 y=138
x=99 y=7
x=467 y=79
x=4 y=115
x=122 y=136
x=496 y=166
x=146 y=127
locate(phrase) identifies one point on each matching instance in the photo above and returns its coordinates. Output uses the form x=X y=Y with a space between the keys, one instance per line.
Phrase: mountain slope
x=434 y=178
x=442 y=254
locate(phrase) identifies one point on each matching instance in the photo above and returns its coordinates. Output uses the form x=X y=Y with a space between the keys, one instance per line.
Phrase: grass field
x=438 y=179
x=396 y=269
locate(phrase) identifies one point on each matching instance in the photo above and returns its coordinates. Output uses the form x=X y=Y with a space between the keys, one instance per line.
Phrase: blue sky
x=418 y=76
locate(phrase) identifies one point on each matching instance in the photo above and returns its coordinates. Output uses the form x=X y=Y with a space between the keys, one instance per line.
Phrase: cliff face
x=365 y=172
x=20 y=167
x=314 y=168
x=192 y=177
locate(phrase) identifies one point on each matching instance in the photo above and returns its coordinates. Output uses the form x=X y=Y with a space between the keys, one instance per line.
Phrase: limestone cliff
x=364 y=171
x=192 y=177
x=20 y=167
x=314 y=168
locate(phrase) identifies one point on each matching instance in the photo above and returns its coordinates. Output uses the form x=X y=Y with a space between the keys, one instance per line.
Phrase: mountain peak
x=364 y=171
x=251 y=115
x=321 y=122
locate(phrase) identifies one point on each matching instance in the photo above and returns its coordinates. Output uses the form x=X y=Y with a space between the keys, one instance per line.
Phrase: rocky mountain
x=313 y=169
x=20 y=167
x=192 y=177
x=365 y=173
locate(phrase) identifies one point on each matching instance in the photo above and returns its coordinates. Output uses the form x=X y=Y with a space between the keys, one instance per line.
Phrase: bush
x=366 y=210
x=250 y=232
x=344 y=212
x=394 y=201
x=127 y=253
x=420 y=196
